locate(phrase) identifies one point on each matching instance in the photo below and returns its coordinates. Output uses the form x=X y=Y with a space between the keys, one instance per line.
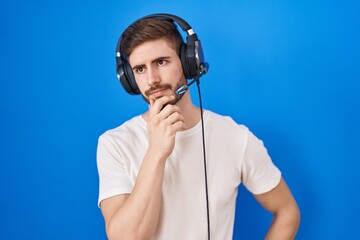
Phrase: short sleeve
x=258 y=172
x=113 y=178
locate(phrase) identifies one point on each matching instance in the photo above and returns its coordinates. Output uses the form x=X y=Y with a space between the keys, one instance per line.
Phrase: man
x=151 y=170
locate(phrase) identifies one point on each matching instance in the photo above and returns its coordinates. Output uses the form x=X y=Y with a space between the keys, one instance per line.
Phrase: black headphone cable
x=204 y=154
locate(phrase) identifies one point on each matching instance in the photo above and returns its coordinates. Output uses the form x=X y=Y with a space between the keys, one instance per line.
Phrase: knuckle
x=156 y=120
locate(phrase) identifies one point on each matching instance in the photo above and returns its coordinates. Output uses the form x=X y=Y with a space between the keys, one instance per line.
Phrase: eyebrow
x=153 y=61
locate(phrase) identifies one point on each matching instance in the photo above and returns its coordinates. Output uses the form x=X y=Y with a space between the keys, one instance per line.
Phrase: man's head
x=159 y=27
x=157 y=70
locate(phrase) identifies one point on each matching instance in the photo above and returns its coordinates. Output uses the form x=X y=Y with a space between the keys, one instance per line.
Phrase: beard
x=148 y=92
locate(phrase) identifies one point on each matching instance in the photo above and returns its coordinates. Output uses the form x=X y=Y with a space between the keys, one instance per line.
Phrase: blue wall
x=289 y=71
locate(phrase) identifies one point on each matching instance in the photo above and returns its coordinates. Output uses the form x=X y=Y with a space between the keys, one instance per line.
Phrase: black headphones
x=191 y=56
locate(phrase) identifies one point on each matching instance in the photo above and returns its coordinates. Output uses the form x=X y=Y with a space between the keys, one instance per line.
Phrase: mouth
x=157 y=93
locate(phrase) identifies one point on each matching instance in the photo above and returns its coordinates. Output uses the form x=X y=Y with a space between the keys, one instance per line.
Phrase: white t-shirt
x=234 y=155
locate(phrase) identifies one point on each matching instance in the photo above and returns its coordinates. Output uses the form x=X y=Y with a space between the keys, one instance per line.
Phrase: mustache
x=154 y=89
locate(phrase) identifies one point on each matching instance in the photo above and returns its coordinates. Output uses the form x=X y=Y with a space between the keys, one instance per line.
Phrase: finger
x=179 y=126
x=151 y=107
x=160 y=102
x=152 y=102
x=174 y=117
x=170 y=109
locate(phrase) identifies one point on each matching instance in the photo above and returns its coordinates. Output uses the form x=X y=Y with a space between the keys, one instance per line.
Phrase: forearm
x=137 y=218
x=284 y=225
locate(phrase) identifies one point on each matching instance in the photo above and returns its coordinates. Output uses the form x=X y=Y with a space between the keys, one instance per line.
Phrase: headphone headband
x=163 y=16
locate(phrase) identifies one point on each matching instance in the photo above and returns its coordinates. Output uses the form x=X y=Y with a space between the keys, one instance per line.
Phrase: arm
x=135 y=215
x=280 y=202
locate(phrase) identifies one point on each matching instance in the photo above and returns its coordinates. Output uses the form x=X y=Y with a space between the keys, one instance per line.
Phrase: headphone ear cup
x=184 y=61
x=126 y=76
x=131 y=79
x=191 y=58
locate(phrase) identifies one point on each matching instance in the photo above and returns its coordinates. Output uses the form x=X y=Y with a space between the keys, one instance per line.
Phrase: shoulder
x=224 y=122
x=131 y=127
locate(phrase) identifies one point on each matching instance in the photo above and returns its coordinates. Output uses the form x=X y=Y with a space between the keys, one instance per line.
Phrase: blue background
x=288 y=70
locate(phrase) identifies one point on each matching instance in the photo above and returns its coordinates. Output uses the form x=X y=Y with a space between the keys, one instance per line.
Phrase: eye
x=140 y=70
x=162 y=62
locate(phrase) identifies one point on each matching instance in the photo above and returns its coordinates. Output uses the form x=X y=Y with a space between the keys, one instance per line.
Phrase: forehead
x=150 y=50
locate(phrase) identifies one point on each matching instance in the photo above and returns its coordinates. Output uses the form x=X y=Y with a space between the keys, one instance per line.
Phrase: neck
x=190 y=112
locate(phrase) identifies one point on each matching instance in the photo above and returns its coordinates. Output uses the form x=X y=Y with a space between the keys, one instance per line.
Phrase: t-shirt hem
x=112 y=193
x=268 y=187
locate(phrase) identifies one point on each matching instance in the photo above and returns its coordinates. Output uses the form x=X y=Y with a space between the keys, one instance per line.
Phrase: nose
x=153 y=77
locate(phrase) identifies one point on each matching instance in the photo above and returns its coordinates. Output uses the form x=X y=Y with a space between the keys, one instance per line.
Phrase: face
x=157 y=69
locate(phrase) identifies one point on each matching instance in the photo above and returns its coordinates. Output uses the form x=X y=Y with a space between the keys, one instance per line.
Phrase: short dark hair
x=150 y=29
